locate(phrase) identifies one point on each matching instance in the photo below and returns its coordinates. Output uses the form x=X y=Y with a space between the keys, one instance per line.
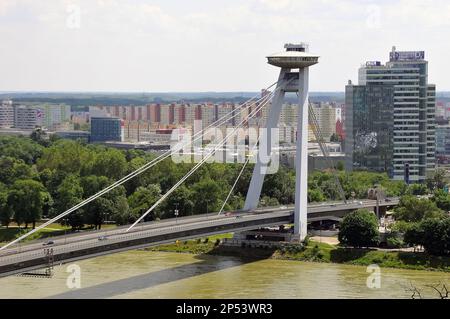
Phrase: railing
x=59 y=250
x=170 y=228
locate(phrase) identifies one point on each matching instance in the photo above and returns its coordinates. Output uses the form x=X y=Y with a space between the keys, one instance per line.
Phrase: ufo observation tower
x=294 y=66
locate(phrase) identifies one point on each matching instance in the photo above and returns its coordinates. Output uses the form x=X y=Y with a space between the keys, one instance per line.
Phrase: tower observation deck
x=294 y=77
x=295 y=57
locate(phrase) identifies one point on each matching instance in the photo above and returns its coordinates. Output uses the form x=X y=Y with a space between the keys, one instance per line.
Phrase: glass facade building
x=105 y=129
x=390 y=117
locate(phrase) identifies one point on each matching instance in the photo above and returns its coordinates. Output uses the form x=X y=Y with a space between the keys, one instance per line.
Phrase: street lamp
x=176 y=213
x=377 y=197
x=65 y=229
x=106 y=219
x=207 y=201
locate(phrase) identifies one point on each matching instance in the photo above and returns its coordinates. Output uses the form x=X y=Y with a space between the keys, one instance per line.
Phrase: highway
x=92 y=243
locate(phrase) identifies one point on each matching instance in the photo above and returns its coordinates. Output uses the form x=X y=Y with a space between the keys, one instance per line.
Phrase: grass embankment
x=197 y=246
x=313 y=252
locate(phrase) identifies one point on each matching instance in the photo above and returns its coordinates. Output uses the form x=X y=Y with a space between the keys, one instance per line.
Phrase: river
x=145 y=274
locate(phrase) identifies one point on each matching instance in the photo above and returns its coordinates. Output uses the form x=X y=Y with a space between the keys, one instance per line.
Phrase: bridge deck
x=87 y=245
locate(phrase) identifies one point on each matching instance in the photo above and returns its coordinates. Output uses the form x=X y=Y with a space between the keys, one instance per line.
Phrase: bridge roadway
x=82 y=245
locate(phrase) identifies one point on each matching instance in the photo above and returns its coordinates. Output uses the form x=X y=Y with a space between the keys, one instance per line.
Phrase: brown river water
x=145 y=274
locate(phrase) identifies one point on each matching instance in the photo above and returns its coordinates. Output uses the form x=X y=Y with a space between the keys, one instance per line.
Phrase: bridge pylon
x=294 y=77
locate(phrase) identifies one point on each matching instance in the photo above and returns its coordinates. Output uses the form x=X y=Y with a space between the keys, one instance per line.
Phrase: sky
x=208 y=45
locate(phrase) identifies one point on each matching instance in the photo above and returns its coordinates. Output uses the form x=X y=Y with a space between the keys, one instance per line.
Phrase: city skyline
x=110 y=46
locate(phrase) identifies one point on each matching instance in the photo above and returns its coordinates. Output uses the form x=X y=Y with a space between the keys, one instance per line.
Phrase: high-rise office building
x=390 y=117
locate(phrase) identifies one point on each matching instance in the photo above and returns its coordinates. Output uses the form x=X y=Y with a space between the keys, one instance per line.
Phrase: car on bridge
x=48 y=243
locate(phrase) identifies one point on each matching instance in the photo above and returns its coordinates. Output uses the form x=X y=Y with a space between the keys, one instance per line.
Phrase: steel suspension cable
x=133 y=174
x=162 y=198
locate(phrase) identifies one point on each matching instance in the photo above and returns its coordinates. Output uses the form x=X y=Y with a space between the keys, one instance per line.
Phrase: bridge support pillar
x=301 y=158
x=265 y=145
x=294 y=77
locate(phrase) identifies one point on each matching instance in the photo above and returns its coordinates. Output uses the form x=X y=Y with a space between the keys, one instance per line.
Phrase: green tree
x=69 y=194
x=207 y=196
x=110 y=163
x=437 y=180
x=315 y=195
x=280 y=185
x=122 y=214
x=105 y=206
x=69 y=157
x=12 y=169
x=180 y=199
x=142 y=199
x=413 y=209
x=418 y=189
x=359 y=229
x=92 y=184
x=27 y=198
x=267 y=201
x=20 y=148
x=414 y=235
x=96 y=212
x=433 y=234
x=6 y=213
x=40 y=136
x=442 y=200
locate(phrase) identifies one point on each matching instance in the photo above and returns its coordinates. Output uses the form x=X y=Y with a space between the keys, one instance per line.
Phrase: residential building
x=6 y=114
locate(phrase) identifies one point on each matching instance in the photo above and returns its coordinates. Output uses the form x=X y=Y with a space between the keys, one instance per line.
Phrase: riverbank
x=313 y=252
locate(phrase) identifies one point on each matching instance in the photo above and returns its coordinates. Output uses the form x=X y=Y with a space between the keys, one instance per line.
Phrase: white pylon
x=294 y=77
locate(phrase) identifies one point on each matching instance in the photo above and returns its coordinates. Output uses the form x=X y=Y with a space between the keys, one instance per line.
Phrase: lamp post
x=65 y=229
x=106 y=219
x=176 y=213
x=206 y=206
x=377 y=194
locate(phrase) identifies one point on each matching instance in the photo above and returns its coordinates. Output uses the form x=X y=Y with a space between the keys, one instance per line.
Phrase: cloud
x=212 y=45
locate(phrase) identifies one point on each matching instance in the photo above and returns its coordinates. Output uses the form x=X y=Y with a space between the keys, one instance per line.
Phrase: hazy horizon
x=208 y=46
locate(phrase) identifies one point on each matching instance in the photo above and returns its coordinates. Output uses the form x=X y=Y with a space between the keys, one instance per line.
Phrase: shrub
x=395 y=242
x=306 y=241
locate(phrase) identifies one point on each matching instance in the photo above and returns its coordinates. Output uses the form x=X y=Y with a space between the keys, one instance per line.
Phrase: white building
x=6 y=114
x=28 y=118
x=326 y=119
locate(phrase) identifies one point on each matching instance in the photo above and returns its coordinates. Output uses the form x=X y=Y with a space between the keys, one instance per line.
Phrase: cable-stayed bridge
x=96 y=243
x=294 y=66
